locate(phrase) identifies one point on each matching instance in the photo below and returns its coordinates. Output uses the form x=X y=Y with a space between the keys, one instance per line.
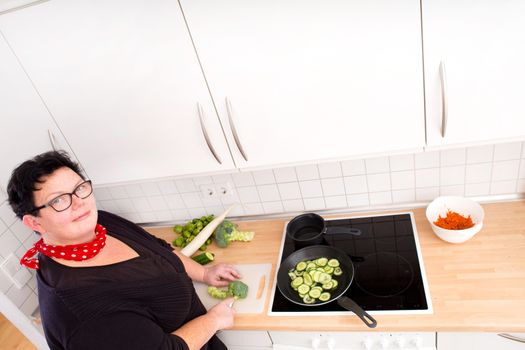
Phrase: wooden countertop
x=476 y=286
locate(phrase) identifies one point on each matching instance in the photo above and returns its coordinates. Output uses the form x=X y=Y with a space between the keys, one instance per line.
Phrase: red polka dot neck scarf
x=77 y=252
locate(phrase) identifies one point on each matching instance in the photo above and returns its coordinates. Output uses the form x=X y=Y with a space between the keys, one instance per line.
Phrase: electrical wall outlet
x=220 y=190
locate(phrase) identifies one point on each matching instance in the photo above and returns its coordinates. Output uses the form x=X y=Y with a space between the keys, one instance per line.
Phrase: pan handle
x=351 y=305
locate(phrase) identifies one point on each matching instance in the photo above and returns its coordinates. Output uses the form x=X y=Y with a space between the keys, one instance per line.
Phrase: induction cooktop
x=389 y=272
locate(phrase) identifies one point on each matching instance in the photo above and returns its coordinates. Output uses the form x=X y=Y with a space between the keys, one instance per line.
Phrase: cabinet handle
x=205 y=133
x=52 y=139
x=444 y=102
x=511 y=337
x=234 y=131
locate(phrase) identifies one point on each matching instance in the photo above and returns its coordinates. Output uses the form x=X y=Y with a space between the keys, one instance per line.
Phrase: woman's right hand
x=223 y=314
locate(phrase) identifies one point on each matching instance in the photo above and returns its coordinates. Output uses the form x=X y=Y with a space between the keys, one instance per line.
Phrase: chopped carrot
x=454 y=221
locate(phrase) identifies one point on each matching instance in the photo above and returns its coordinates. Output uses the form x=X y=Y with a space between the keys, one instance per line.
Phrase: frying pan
x=345 y=280
x=308 y=229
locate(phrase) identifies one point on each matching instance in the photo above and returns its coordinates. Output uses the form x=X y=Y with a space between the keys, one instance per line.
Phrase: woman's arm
x=198 y=331
x=217 y=275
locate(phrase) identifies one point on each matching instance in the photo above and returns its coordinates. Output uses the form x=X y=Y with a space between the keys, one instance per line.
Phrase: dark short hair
x=27 y=175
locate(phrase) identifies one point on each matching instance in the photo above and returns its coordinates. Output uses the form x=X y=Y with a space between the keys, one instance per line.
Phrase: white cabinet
x=480 y=341
x=312 y=80
x=122 y=80
x=353 y=340
x=27 y=129
x=482 y=48
x=245 y=340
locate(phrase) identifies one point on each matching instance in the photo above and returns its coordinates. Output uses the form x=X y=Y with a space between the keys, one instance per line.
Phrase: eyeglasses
x=64 y=201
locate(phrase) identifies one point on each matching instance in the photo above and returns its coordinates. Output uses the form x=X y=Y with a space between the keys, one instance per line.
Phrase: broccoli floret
x=236 y=289
x=218 y=293
x=228 y=232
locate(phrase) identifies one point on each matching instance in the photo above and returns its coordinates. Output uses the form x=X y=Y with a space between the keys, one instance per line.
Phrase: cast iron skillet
x=345 y=280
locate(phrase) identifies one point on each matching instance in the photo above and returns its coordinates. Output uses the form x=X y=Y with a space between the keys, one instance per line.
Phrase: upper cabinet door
x=122 y=80
x=297 y=81
x=481 y=46
x=26 y=126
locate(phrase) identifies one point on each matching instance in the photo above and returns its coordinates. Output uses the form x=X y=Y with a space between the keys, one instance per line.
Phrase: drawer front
x=245 y=338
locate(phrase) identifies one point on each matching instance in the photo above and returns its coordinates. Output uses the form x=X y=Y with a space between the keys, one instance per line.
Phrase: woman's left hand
x=220 y=275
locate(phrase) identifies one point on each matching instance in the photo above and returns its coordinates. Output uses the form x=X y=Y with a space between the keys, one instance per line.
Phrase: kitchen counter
x=476 y=286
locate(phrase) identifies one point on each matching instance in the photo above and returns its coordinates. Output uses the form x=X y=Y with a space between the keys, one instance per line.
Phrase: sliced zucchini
x=303 y=289
x=301 y=265
x=334 y=283
x=316 y=276
x=308 y=300
x=308 y=279
x=329 y=269
x=324 y=277
x=297 y=282
x=324 y=296
x=328 y=285
x=311 y=265
x=292 y=275
x=204 y=258
x=338 y=271
x=321 y=262
x=333 y=262
x=314 y=293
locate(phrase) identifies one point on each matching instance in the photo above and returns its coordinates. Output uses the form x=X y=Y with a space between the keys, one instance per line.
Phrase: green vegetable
x=313 y=279
x=191 y=229
x=236 y=289
x=228 y=232
x=204 y=258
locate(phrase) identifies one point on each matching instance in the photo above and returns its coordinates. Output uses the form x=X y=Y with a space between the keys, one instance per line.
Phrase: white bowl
x=461 y=205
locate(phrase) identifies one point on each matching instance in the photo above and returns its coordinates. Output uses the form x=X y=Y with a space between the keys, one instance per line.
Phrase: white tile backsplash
x=330 y=170
x=353 y=167
x=311 y=189
x=333 y=187
x=118 y=192
x=21 y=231
x=307 y=172
x=507 y=151
x=404 y=196
x=314 y=203
x=380 y=198
x=503 y=187
x=480 y=154
x=477 y=189
x=336 y=201
x=248 y=194
x=264 y=177
x=150 y=188
x=506 y=170
x=485 y=170
x=8 y=243
x=378 y=182
x=402 y=162
x=452 y=175
x=289 y=190
x=480 y=172
x=426 y=160
x=293 y=205
x=243 y=179
x=403 y=180
x=452 y=157
x=269 y=193
x=285 y=174
x=186 y=185
x=358 y=200
x=377 y=165
x=355 y=184
x=427 y=177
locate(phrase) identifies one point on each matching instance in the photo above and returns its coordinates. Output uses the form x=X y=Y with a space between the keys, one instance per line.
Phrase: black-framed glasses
x=62 y=202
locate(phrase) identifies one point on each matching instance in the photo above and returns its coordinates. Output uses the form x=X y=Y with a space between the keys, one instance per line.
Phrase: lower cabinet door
x=481 y=341
x=253 y=340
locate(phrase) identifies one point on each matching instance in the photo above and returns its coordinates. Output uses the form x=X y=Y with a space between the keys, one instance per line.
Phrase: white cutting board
x=252 y=275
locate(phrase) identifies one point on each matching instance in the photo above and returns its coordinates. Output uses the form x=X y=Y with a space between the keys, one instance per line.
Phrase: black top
x=134 y=304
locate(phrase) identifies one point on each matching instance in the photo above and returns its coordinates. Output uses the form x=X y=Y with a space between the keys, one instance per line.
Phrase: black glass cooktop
x=387 y=271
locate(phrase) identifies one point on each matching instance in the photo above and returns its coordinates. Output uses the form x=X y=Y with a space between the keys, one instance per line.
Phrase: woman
x=103 y=282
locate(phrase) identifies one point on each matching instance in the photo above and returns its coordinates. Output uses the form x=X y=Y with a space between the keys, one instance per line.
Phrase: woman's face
x=74 y=225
